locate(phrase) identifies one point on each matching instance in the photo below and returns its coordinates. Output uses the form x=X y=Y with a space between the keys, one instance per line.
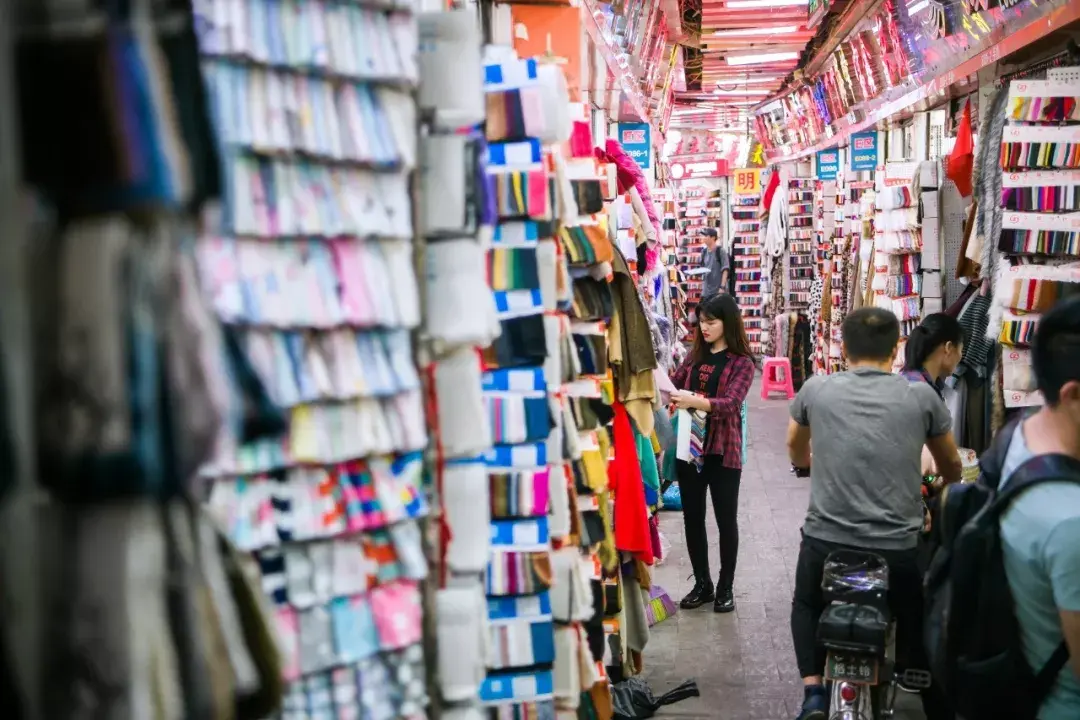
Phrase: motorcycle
x=857 y=631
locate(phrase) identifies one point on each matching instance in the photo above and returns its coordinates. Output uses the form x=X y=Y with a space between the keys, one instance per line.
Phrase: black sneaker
x=725 y=601
x=701 y=594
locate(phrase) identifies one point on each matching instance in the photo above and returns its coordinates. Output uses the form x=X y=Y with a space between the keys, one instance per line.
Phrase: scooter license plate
x=852 y=668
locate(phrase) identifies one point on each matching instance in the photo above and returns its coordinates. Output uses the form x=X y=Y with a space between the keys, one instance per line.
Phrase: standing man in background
x=718 y=264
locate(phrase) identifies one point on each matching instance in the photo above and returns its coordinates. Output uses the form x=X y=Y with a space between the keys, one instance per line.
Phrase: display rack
x=311 y=269
x=746 y=262
x=897 y=282
x=1039 y=219
x=800 y=241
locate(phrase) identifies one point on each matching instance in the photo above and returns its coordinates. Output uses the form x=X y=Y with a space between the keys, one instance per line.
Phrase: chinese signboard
x=828 y=164
x=636 y=141
x=864 y=150
x=747 y=181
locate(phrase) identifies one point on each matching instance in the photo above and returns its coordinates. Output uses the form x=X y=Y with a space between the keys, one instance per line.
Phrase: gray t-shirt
x=867 y=430
x=716 y=262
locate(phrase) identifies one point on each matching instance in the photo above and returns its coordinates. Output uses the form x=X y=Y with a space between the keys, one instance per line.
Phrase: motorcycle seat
x=858 y=627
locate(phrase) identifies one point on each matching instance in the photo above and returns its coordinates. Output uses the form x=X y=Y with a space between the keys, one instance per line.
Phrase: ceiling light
x=751 y=4
x=774 y=30
x=753 y=80
x=916 y=8
x=761 y=58
x=755 y=4
x=740 y=93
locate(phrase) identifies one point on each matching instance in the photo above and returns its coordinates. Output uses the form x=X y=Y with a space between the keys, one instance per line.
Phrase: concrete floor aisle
x=744 y=662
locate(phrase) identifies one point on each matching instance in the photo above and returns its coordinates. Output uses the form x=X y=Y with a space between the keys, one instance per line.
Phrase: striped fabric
x=697 y=438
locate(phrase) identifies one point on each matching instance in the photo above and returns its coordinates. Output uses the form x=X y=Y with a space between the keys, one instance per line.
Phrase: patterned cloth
x=725 y=430
x=698 y=429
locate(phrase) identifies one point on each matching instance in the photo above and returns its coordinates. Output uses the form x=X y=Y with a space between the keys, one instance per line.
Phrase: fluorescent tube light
x=740 y=93
x=774 y=30
x=751 y=4
x=751 y=80
x=761 y=58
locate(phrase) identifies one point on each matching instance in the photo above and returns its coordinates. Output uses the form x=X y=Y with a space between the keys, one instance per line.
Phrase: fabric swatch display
x=312 y=263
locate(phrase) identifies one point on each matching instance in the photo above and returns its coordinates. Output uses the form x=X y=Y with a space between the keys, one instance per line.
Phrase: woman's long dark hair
x=720 y=307
x=934 y=331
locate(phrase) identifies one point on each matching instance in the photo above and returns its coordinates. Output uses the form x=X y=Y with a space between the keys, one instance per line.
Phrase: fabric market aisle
x=743 y=662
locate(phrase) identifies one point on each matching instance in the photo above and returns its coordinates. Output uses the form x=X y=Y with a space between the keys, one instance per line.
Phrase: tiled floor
x=743 y=662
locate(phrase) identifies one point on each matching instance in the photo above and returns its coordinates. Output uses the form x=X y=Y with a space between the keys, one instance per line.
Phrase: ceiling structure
x=745 y=51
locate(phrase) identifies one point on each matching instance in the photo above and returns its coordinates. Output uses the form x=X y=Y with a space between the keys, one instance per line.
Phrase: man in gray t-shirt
x=718 y=264
x=868 y=427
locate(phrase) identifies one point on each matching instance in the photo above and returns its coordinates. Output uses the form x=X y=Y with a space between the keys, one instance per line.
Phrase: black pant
x=905 y=602
x=724 y=485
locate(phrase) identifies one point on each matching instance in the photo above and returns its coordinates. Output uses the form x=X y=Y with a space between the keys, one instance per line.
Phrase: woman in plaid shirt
x=714 y=378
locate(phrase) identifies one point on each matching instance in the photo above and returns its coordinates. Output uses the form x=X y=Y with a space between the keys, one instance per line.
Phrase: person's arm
x=946 y=457
x=798 y=444
x=939 y=438
x=1061 y=556
x=798 y=435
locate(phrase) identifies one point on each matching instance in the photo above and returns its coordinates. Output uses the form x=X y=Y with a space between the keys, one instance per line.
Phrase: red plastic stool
x=776 y=377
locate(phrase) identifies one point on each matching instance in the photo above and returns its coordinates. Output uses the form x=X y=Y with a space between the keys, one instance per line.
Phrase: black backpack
x=972 y=634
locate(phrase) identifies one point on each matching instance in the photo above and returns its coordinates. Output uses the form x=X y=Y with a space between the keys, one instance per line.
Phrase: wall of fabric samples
x=455 y=207
x=800 y=238
x=896 y=282
x=310 y=267
x=1038 y=238
x=746 y=264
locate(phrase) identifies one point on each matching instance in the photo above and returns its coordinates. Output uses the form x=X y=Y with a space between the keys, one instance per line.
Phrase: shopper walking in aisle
x=718 y=264
x=1040 y=530
x=868 y=427
x=714 y=379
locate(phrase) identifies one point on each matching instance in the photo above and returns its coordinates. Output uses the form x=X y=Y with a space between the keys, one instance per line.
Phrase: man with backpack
x=1003 y=629
x=717 y=264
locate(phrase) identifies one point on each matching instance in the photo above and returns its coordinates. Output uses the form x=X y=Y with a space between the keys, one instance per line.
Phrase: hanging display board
x=864 y=151
x=828 y=164
x=686 y=169
x=747 y=181
x=637 y=142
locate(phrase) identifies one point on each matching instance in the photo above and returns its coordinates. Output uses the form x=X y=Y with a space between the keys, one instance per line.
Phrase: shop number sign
x=636 y=141
x=747 y=181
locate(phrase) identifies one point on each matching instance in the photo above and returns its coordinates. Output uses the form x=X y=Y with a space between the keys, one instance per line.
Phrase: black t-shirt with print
x=705 y=376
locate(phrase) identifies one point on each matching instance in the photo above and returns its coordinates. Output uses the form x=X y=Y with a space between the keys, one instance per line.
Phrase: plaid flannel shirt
x=725 y=427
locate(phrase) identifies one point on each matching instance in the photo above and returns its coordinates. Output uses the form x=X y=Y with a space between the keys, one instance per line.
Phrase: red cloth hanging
x=624 y=479
x=770 y=189
x=962 y=158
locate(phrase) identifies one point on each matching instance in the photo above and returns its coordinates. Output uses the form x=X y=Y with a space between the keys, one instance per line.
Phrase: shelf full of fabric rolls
x=800 y=233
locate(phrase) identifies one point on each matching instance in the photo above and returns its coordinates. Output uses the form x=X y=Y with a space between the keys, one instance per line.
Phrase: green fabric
x=647 y=460
x=669 y=453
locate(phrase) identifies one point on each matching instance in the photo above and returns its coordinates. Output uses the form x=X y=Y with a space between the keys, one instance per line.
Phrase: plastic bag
x=634 y=698
x=672 y=498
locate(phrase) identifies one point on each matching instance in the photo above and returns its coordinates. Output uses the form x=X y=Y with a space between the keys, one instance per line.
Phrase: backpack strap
x=1039 y=469
x=1045 y=679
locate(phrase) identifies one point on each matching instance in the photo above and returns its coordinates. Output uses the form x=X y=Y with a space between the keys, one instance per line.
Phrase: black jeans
x=723 y=483
x=905 y=602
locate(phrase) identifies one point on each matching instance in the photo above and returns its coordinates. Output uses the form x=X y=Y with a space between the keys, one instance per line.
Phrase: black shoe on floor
x=701 y=594
x=725 y=600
